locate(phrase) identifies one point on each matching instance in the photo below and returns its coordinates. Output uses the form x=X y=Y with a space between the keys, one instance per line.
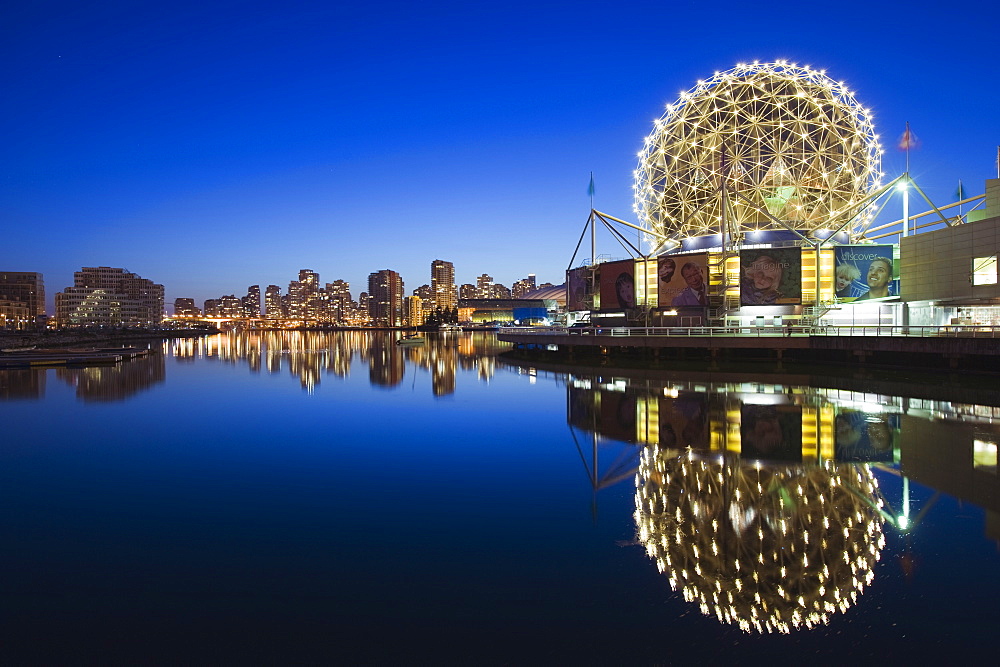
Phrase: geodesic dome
x=791 y=144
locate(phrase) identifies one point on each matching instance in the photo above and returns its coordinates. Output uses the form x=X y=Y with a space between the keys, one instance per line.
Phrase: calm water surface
x=309 y=497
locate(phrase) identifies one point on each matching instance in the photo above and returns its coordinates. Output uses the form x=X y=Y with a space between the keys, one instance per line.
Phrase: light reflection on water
x=299 y=494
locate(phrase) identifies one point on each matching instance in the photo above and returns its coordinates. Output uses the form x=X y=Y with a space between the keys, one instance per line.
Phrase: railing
x=949 y=331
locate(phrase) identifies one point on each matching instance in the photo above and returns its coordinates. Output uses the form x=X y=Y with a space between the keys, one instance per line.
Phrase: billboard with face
x=577 y=284
x=771 y=432
x=865 y=272
x=684 y=421
x=618 y=285
x=864 y=437
x=770 y=276
x=683 y=281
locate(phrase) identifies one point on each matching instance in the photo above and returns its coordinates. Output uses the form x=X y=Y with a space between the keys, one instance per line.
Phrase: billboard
x=861 y=436
x=612 y=414
x=684 y=421
x=865 y=272
x=683 y=281
x=771 y=432
x=576 y=288
x=770 y=276
x=618 y=285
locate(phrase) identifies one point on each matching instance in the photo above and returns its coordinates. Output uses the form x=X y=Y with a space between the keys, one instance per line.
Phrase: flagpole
x=961 y=196
x=593 y=223
x=908 y=142
x=908 y=139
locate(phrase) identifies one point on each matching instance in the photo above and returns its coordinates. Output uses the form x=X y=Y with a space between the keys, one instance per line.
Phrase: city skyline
x=210 y=148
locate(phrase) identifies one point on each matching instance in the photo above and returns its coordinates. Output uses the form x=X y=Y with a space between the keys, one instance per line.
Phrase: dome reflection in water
x=768 y=547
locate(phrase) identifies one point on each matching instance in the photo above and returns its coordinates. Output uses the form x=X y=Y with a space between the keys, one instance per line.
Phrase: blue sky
x=211 y=146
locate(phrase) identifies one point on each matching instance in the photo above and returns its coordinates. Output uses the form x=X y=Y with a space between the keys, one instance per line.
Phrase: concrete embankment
x=968 y=353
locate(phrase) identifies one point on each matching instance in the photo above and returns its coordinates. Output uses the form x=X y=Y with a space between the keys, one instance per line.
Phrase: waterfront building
x=184 y=307
x=468 y=291
x=426 y=297
x=251 y=303
x=522 y=311
x=385 y=303
x=338 y=300
x=443 y=284
x=272 y=303
x=231 y=306
x=14 y=315
x=500 y=291
x=211 y=307
x=228 y=306
x=413 y=311
x=25 y=287
x=106 y=296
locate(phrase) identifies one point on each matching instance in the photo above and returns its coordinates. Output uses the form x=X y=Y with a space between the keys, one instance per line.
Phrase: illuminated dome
x=794 y=143
x=768 y=548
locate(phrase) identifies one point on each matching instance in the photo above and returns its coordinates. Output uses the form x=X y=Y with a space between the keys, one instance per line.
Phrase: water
x=317 y=497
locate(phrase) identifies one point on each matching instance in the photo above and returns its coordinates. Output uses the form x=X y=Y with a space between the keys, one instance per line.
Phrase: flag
x=908 y=140
x=590 y=188
x=960 y=193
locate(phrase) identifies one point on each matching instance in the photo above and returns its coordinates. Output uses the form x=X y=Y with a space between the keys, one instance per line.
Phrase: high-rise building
x=251 y=302
x=413 y=311
x=212 y=308
x=338 y=300
x=385 y=303
x=24 y=287
x=107 y=296
x=522 y=287
x=272 y=303
x=484 y=287
x=500 y=291
x=230 y=306
x=443 y=284
x=468 y=291
x=186 y=308
x=426 y=297
x=304 y=299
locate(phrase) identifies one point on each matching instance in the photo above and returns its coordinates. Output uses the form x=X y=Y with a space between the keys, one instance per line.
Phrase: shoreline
x=16 y=339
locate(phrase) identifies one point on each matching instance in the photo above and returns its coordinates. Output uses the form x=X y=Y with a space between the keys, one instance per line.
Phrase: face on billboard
x=864 y=272
x=683 y=281
x=864 y=437
x=684 y=421
x=770 y=276
x=771 y=432
x=666 y=270
x=879 y=272
x=617 y=285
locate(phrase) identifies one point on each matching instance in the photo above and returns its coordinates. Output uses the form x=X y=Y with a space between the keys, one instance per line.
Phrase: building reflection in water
x=309 y=355
x=115 y=382
x=21 y=383
x=759 y=501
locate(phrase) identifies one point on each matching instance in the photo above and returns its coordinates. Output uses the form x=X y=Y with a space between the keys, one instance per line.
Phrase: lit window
x=984 y=270
x=984 y=455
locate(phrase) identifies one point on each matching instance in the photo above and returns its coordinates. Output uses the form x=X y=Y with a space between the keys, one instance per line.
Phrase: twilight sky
x=214 y=145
